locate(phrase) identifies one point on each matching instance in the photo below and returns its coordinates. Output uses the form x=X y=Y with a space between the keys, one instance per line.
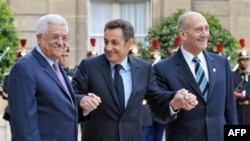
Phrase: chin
x=112 y=59
x=109 y=56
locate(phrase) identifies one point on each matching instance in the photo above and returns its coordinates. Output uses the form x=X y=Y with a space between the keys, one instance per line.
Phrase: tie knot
x=118 y=67
x=56 y=66
x=196 y=59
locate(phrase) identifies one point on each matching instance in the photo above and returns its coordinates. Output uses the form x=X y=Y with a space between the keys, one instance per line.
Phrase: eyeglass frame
x=56 y=37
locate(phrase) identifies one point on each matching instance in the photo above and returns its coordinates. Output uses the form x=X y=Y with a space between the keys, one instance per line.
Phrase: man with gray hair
x=41 y=98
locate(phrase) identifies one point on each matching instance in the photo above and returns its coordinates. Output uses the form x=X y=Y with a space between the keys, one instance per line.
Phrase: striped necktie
x=201 y=78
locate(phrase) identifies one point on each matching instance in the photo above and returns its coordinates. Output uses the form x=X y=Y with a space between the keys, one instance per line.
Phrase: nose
x=205 y=32
x=108 y=46
x=61 y=42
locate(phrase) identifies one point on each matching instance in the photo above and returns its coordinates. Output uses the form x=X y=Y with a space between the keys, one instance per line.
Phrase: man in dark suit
x=41 y=98
x=242 y=87
x=117 y=118
x=216 y=102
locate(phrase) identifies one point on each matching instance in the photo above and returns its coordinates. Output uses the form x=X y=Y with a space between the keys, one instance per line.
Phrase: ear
x=131 y=43
x=38 y=37
x=182 y=34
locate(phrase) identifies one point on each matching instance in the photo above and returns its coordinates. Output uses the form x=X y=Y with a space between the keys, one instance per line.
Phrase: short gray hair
x=42 y=23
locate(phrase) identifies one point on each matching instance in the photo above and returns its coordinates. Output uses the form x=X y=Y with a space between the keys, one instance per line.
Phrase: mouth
x=59 y=47
x=109 y=52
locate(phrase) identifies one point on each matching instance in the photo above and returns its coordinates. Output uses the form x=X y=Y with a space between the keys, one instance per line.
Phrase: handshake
x=183 y=100
x=89 y=103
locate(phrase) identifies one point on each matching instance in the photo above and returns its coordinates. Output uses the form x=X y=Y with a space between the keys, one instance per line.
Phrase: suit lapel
x=107 y=75
x=47 y=68
x=50 y=72
x=211 y=65
x=186 y=73
x=68 y=83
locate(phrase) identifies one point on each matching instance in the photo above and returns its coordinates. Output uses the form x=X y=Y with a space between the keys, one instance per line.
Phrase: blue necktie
x=201 y=78
x=119 y=87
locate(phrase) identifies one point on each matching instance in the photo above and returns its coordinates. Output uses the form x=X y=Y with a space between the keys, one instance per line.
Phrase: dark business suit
x=107 y=122
x=41 y=108
x=206 y=121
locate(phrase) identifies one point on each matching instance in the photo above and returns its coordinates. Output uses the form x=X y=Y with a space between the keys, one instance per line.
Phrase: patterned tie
x=201 y=78
x=60 y=76
x=119 y=87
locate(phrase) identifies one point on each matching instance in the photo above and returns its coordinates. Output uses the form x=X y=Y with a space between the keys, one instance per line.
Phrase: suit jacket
x=40 y=108
x=107 y=122
x=206 y=121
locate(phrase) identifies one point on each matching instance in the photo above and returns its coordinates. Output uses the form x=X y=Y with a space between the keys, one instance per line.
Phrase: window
x=137 y=12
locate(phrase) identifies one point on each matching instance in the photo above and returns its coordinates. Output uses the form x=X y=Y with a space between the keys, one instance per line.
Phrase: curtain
x=101 y=11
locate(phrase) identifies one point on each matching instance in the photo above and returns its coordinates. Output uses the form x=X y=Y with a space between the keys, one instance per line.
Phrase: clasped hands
x=183 y=100
x=89 y=103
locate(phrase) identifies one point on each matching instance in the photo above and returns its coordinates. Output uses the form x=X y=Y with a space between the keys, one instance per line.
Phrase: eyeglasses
x=56 y=37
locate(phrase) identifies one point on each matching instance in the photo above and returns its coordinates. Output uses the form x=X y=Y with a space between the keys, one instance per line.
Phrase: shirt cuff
x=172 y=111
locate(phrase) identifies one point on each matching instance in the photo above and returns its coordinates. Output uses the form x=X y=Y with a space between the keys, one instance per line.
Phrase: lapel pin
x=214 y=69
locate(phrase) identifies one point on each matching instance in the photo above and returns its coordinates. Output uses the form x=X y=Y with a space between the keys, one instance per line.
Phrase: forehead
x=113 y=34
x=196 y=20
x=57 y=29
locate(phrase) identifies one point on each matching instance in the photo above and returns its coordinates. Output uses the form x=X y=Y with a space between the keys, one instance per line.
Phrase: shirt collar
x=124 y=63
x=50 y=61
x=188 y=56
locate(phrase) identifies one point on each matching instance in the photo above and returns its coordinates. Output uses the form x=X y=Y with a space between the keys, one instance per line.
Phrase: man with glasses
x=41 y=98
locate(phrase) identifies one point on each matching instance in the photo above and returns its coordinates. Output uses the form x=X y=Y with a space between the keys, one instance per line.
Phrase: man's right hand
x=90 y=103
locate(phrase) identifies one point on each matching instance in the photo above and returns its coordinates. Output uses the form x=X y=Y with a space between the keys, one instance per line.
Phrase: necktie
x=60 y=76
x=201 y=78
x=119 y=87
